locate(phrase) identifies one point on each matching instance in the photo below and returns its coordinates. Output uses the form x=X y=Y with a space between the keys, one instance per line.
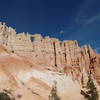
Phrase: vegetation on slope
x=4 y=96
x=53 y=94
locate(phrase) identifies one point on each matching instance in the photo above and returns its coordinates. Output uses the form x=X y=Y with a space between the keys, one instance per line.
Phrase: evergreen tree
x=4 y=96
x=92 y=90
x=53 y=94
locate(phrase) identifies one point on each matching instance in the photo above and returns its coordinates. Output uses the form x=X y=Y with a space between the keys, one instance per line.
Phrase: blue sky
x=63 y=19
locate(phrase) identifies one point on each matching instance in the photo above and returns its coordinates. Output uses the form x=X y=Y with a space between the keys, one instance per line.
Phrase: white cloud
x=62 y=32
x=93 y=19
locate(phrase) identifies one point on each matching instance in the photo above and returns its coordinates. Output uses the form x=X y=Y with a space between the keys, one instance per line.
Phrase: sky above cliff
x=63 y=19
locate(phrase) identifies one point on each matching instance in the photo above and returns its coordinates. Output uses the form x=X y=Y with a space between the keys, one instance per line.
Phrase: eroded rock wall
x=52 y=52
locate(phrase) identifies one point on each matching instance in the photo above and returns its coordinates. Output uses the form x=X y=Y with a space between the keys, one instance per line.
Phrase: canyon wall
x=66 y=55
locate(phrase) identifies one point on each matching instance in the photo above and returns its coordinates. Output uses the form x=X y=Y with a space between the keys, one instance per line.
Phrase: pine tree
x=53 y=94
x=92 y=90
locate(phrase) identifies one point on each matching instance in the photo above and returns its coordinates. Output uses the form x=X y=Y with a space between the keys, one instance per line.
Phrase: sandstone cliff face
x=65 y=56
x=19 y=77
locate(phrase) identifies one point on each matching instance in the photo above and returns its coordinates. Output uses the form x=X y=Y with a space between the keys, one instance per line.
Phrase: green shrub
x=53 y=94
x=4 y=96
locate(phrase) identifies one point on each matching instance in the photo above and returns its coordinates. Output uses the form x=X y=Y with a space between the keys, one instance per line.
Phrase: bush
x=4 y=96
